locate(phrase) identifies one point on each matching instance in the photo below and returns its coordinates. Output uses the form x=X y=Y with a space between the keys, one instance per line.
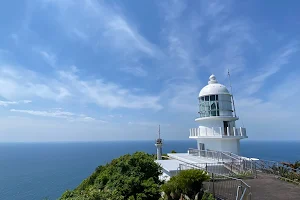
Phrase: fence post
x=213 y=180
x=255 y=169
x=206 y=166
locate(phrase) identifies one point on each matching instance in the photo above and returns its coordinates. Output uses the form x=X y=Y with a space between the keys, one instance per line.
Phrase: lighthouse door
x=201 y=146
x=225 y=127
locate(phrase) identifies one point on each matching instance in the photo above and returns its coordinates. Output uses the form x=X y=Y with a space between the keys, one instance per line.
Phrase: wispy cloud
x=8 y=103
x=135 y=70
x=58 y=114
x=48 y=57
x=96 y=19
x=22 y=83
x=277 y=61
x=274 y=63
x=182 y=97
x=107 y=94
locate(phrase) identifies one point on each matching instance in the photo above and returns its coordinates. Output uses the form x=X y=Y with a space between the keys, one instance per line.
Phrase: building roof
x=169 y=165
x=213 y=87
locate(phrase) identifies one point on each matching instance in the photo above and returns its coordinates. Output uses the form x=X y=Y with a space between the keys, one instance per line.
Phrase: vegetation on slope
x=128 y=177
x=136 y=177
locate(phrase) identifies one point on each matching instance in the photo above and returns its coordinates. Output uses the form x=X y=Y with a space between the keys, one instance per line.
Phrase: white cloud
x=22 y=83
x=147 y=124
x=277 y=61
x=15 y=38
x=135 y=70
x=49 y=58
x=107 y=94
x=95 y=19
x=7 y=103
x=273 y=65
x=59 y=114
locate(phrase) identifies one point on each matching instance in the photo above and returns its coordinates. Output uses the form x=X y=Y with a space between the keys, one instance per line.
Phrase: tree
x=187 y=182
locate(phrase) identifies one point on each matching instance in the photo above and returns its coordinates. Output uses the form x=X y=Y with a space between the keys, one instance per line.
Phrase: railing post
x=241 y=130
x=234 y=133
x=213 y=180
x=228 y=133
x=221 y=131
x=206 y=130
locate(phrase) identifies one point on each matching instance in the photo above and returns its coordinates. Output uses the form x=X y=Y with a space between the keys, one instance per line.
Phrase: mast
x=231 y=94
x=158 y=131
x=158 y=145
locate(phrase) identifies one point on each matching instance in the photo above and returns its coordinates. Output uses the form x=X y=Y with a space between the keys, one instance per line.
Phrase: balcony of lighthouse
x=218 y=132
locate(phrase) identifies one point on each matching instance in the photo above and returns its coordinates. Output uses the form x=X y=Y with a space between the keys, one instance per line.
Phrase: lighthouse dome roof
x=213 y=87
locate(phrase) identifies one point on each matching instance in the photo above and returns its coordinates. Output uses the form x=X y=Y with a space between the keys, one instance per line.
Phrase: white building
x=218 y=138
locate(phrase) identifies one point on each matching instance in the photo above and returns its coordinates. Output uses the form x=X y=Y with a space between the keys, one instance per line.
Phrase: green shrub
x=188 y=182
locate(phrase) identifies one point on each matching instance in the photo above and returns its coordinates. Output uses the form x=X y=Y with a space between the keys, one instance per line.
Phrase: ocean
x=35 y=171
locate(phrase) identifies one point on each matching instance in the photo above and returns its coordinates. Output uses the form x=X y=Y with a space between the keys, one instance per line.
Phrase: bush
x=187 y=182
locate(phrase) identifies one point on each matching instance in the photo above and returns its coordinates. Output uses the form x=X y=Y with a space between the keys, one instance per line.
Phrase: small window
x=217 y=98
x=213 y=113
x=206 y=98
x=213 y=106
x=212 y=97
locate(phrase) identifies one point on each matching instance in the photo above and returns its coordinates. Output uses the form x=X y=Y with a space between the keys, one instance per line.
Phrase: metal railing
x=214 y=155
x=241 y=165
x=217 y=131
x=217 y=168
x=276 y=168
x=225 y=187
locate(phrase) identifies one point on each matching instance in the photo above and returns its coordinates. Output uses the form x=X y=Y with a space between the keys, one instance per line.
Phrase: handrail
x=237 y=192
x=218 y=131
x=216 y=155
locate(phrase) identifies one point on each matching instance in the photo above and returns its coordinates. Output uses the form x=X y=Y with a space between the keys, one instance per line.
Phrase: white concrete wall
x=231 y=145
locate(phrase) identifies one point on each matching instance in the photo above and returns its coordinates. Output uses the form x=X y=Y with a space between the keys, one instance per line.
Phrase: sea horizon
x=46 y=169
x=95 y=141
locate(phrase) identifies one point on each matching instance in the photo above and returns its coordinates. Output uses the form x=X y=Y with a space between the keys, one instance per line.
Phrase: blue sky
x=93 y=70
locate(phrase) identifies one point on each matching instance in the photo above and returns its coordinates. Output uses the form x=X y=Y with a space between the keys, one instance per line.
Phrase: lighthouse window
x=209 y=106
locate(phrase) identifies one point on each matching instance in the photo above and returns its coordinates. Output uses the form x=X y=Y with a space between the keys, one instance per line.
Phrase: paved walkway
x=267 y=187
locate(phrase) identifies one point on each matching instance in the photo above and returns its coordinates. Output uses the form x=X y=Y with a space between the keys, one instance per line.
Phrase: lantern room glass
x=209 y=106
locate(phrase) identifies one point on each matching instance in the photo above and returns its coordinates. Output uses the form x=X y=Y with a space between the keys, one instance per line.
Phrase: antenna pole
x=231 y=94
x=158 y=131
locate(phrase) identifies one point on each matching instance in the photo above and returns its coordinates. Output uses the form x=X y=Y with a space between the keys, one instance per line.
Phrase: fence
x=218 y=168
x=250 y=167
x=220 y=185
x=225 y=187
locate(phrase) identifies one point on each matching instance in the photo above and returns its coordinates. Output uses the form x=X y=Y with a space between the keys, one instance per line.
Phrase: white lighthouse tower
x=217 y=130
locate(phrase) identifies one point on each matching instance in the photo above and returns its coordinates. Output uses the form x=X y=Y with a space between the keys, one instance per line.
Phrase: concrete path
x=267 y=187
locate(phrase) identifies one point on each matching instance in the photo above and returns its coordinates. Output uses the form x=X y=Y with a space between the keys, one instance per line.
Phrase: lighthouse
x=217 y=130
